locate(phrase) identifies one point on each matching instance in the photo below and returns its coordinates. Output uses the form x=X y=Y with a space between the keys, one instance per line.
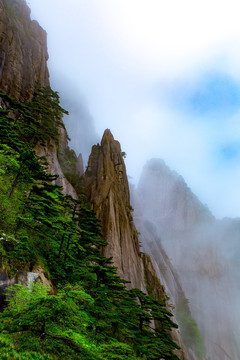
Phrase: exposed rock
x=5 y=281
x=157 y=291
x=163 y=279
x=23 y=68
x=25 y=278
x=166 y=199
x=50 y=151
x=23 y=51
x=41 y=276
x=204 y=252
x=108 y=191
x=22 y=277
x=80 y=168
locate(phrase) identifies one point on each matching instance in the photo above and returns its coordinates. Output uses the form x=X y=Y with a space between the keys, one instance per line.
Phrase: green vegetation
x=11 y=10
x=189 y=329
x=68 y=161
x=88 y=313
x=35 y=121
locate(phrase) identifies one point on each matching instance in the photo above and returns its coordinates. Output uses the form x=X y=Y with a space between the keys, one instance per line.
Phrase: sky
x=164 y=76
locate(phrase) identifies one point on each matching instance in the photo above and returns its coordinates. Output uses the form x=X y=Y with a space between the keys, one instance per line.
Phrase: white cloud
x=117 y=51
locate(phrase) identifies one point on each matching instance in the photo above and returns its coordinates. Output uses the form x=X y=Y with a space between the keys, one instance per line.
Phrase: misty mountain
x=78 y=307
x=189 y=256
x=79 y=121
x=204 y=252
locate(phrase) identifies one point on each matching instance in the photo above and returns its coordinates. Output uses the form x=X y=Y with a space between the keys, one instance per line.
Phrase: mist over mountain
x=168 y=88
x=204 y=252
x=65 y=227
x=79 y=121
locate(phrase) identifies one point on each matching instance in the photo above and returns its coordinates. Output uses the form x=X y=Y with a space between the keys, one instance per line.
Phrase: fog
x=163 y=76
x=204 y=255
x=79 y=122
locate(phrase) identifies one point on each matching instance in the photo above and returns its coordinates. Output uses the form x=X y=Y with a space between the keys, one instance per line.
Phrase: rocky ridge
x=23 y=68
x=107 y=189
x=23 y=51
x=204 y=252
x=171 y=203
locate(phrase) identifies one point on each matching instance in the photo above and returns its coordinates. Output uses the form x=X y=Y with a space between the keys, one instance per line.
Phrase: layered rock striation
x=23 y=51
x=107 y=189
x=53 y=153
x=23 y=69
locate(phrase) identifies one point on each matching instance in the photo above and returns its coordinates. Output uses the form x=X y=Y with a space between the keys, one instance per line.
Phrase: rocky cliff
x=23 y=68
x=166 y=199
x=204 y=252
x=23 y=51
x=107 y=188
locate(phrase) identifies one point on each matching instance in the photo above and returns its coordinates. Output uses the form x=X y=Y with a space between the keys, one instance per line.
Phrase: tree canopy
x=88 y=313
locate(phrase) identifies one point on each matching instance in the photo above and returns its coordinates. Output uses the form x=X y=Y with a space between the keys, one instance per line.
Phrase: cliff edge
x=107 y=189
x=23 y=51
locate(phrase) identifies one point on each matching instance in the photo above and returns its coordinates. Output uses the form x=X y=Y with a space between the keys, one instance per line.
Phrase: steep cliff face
x=169 y=279
x=23 y=68
x=23 y=51
x=53 y=152
x=204 y=252
x=167 y=200
x=107 y=189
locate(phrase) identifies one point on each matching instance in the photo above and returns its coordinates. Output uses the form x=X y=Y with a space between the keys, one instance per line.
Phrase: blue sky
x=213 y=95
x=218 y=94
x=230 y=152
x=163 y=76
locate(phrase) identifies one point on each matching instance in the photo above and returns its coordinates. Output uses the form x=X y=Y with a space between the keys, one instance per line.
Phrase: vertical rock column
x=108 y=191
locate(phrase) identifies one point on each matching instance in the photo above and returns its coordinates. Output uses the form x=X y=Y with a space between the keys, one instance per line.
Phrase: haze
x=163 y=76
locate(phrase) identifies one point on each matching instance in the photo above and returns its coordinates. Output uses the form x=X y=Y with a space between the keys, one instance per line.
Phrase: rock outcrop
x=53 y=152
x=22 y=277
x=166 y=199
x=107 y=189
x=203 y=251
x=23 y=68
x=23 y=51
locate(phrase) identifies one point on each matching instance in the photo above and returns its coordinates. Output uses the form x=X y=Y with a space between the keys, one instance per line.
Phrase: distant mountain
x=204 y=252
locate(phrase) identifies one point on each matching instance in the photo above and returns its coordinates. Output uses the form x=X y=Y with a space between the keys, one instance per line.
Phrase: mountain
x=23 y=71
x=167 y=199
x=23 y=56
x=107 y=188
x=186 y=259
x=204 y=252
